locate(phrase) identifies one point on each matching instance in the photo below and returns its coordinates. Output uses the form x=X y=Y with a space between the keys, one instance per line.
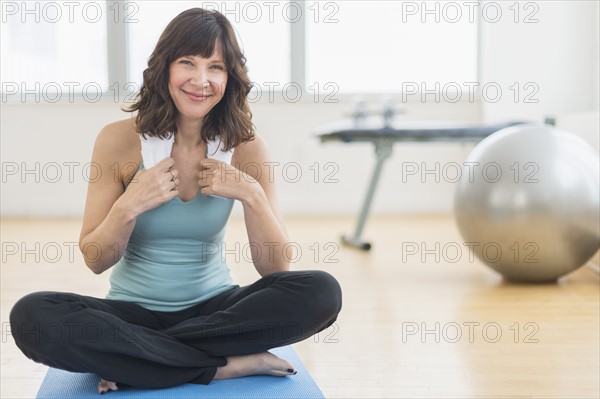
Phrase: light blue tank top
x=174 y=256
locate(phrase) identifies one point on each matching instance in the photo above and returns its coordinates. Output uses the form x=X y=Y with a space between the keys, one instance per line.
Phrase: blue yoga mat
x=60 y=384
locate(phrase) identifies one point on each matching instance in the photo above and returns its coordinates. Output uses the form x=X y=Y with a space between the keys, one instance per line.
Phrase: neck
x=188 y=134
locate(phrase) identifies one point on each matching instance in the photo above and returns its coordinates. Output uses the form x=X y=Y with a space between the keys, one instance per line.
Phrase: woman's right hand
x=152 y=187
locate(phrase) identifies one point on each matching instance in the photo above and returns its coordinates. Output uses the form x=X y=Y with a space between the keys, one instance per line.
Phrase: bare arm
x=110 y=210
x=256 y=191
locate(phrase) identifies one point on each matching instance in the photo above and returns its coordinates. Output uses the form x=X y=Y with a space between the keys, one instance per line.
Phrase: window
x=53 y=48
x=263 y=34
x=358 y=46
x=383 y=46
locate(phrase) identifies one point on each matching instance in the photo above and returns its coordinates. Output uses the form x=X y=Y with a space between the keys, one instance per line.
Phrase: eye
x=219 y=67
x=186 y=62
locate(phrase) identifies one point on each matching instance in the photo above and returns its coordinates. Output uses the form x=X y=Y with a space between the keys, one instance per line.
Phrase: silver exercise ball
x=528 y=202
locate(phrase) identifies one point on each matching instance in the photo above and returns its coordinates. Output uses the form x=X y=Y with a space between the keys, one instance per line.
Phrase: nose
x=200 y=81
x=200 y=78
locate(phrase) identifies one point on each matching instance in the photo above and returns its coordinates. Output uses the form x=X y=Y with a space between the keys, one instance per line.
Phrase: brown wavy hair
x=195 y=32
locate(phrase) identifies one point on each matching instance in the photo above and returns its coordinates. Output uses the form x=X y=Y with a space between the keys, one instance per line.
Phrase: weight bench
x=384 y=138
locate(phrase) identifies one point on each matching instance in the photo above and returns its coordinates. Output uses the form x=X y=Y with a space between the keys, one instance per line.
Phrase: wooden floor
x=409 y=327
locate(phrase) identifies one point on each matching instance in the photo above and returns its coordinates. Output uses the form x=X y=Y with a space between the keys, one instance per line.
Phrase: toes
x=102 y=388
x=285 y=371
x=105 y=386
x=282 y=373
x=274 y=365
x=283 y=366
x=279 y=373
x=288 y=368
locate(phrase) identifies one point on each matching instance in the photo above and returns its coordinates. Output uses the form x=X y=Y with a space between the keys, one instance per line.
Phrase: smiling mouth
x=196 y=97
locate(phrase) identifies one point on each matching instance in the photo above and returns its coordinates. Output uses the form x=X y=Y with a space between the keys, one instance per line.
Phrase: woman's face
x=197 y=84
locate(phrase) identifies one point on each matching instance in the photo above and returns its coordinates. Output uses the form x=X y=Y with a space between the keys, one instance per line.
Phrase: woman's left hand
x=224 y=180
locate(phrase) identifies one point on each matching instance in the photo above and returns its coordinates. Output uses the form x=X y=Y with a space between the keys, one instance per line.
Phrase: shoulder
x=119 y=139
x=252 y=157
x=118 y=144
x=119 y=134
x=251 y=151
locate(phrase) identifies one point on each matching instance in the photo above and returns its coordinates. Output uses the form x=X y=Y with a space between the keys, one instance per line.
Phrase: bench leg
x=383 y=150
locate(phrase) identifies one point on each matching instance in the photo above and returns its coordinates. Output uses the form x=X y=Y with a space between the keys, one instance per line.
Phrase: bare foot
x=105 y=386
x=257 y=363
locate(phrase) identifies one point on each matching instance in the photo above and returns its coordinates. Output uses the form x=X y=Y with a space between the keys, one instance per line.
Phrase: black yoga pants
x=127 y=343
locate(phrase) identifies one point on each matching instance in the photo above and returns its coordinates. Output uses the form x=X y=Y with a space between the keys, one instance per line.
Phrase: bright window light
x=263 y=34
x=383 y=46
x=54 y=47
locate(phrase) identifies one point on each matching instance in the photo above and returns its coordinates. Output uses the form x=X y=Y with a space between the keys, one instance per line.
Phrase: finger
x=203 y=178
x=203 y=183
x=171 y=191
x=165 y=164
x=206 y=190
x=173 y=173
x=168 y=182
x=166 y=178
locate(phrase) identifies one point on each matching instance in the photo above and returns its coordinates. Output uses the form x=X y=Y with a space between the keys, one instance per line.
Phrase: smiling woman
x=173 y=314
x=197 y=84
x=201 y=56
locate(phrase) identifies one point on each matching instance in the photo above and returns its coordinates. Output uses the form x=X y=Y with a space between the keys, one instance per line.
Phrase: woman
x=158 y=213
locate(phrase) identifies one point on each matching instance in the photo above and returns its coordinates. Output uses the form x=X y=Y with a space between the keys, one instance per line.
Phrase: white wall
x=596 y=56
x=39 y=140
x=559 y=54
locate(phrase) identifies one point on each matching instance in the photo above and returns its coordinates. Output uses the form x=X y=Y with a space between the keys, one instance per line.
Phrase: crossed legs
x=224 y=337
